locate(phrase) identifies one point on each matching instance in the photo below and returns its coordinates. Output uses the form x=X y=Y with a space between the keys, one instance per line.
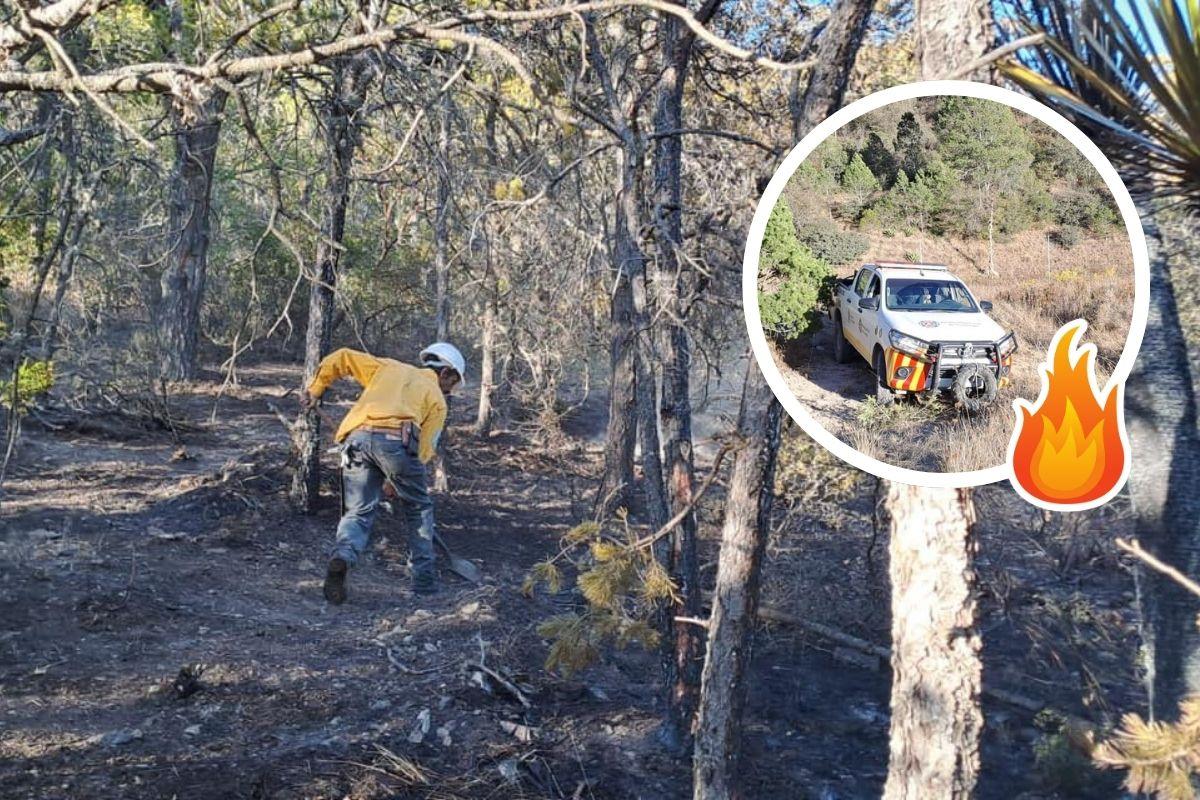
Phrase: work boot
x=335 y=581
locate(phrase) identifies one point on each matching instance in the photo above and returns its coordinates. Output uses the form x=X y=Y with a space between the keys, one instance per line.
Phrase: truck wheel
x=974 y=388
x=841 y=348
x=884 y=395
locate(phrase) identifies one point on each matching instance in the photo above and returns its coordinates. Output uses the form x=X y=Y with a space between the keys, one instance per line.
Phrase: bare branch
x=164 y=77
x=50 y=19
x=997 y=54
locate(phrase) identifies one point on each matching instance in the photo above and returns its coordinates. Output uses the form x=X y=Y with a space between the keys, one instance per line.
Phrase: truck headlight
x=1007 y=346
x=909 y=344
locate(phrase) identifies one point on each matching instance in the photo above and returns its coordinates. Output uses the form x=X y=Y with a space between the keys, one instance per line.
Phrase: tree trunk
x=992 y=243
x=1161 y=406
x=952 y=33
x=936 y=719
x=642 y=335
x=716 y=761
x=487 y=368
x=837 y=49
x=341 y=133
x=188 y=229
x=441 y=234
x=616 y=488
x=66 y=270
x=735 y=599
x=683 y=643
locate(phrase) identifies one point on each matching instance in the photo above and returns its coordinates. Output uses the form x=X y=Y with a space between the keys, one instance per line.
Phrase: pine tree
x=860 y=182
x=909 y=145
x=879 y=159
x=992 y=155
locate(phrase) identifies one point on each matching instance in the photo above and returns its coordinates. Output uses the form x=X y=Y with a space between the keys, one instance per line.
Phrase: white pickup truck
x=923 y=332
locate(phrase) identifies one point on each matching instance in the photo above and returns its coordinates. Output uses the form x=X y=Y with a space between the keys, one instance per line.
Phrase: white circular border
x=984 y=91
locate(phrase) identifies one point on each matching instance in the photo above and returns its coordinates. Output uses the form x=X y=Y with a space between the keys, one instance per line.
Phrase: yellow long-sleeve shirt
x=393 y=393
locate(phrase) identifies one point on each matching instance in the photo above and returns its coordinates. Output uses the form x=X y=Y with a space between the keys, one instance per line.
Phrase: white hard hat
x=444 y=354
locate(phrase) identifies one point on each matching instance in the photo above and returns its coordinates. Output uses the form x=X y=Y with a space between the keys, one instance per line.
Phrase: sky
x=1125 y=9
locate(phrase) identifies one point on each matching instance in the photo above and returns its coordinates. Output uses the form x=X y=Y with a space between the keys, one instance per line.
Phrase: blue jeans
x=369 y=458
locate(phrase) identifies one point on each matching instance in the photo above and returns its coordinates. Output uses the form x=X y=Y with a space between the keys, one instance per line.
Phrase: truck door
x=851 y=312
x=867 y=318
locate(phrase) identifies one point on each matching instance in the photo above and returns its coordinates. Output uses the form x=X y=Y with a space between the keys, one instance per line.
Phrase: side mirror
x=986 y=305
x=869 y=303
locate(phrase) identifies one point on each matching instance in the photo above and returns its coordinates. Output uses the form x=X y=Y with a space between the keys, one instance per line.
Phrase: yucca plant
x=1130 y=79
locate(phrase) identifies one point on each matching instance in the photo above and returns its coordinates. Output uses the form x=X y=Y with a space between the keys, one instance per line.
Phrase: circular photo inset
x=912 y=260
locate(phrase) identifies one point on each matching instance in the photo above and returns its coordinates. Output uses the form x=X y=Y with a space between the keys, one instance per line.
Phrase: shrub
x=822 y=170
x=1093 y=211
x=1067 y=236
x=831 y=244
x=791 y=309
x=34 y=378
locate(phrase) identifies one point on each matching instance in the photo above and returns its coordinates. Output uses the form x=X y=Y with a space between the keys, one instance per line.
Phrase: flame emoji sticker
x=1070 y=451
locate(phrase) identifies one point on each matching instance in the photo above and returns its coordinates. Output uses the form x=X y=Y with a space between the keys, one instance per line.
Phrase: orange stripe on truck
x=916 y=379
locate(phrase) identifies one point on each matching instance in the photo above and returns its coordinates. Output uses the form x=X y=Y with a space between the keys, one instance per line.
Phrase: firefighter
x=388 y=437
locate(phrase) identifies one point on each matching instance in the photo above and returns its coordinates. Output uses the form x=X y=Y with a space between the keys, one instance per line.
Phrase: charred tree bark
x=936 y=718
x=620 y=441
x=188 y=232
x=837 y=48
x=1161 y=404
x=642 y=336
x=683 y=643
x=735 y=599
x=716 y=761
x=340 y=134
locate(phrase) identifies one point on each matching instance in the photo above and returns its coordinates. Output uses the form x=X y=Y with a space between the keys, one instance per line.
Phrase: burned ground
x=128 y=555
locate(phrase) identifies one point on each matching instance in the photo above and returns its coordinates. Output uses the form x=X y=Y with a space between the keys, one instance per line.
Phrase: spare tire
x=974 y=388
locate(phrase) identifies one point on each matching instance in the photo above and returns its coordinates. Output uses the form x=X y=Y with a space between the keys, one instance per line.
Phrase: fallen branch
x=769 y=614
x=1134 y=548
x=510 y=687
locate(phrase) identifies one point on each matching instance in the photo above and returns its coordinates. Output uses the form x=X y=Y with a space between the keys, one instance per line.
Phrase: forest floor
x=129 y=552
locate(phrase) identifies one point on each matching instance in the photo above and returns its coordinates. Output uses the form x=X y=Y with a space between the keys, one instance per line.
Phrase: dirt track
x=936 y=437
x=833 y=393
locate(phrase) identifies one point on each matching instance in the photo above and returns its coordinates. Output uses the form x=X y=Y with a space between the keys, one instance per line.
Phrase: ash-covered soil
x=130 y=553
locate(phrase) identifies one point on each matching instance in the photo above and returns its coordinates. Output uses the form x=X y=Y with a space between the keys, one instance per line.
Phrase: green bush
x=831 y=244
x=34 y=378
x=823 y=168
x=1090 y=210
x=1067 y=236
x=796 y=276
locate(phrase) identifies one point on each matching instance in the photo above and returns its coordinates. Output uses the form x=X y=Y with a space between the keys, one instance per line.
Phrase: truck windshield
x=925 y=294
